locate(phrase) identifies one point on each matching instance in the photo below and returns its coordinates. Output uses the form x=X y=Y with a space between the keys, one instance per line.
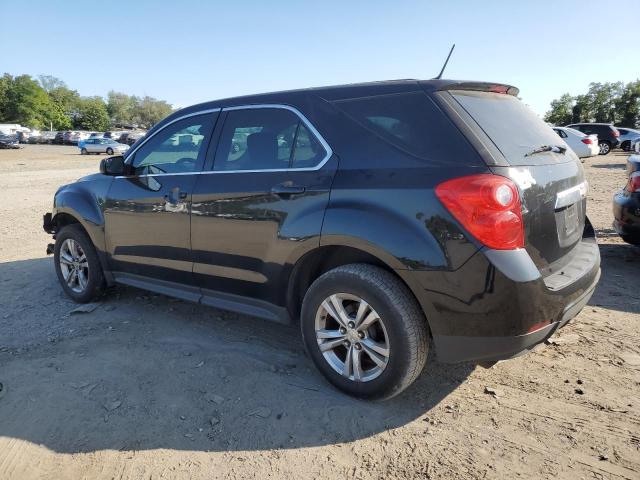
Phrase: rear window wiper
x=547 y=148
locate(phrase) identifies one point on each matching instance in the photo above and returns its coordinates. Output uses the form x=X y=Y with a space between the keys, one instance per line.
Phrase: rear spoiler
x=481 y=87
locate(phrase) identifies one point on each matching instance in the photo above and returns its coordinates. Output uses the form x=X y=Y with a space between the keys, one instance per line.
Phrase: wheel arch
x=327 y=257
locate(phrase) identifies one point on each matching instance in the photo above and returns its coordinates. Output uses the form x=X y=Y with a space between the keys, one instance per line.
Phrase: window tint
x=410 y=121
x=263 y=139
x=561 y=133
x=510 y=124
x=309 y=152
x=178 y=148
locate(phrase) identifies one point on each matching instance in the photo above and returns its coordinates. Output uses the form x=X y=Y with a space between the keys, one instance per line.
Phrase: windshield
x=512 y=126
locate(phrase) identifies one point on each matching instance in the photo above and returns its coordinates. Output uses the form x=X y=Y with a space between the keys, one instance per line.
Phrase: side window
x=177 y=148
x=266 y=139
x=308 y=149
x=561 y=133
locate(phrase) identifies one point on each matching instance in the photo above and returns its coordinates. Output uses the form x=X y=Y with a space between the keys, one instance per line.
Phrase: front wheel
x=605 y=148
x=109 y=151
x=77 y=264
x=364 y=331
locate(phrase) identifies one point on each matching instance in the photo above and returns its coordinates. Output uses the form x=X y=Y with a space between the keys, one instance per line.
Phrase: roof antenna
x=445 y=62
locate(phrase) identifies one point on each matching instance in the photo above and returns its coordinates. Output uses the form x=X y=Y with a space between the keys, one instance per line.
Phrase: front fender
x=84 y=201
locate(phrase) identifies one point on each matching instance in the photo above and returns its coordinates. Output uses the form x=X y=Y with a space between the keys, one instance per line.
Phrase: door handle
x=286 y=189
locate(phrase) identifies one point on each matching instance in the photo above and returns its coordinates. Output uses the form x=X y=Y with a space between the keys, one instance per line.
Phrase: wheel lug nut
x=358 y=346
x=346 y=343
x=361 y=335
x=351 y=325
x=343 y=330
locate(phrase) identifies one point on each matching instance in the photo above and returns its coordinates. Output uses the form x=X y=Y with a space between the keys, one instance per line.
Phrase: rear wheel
x=77 y=264
x=364 y=331
x=605 y=147
x=109 y=151
x=626 y=146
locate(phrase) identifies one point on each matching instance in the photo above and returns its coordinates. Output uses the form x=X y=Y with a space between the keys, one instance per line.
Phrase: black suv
x=383 y=217
x=608 y=135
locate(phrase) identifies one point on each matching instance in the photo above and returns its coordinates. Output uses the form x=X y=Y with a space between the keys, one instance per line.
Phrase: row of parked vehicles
x=589 y=139
x=74 y=137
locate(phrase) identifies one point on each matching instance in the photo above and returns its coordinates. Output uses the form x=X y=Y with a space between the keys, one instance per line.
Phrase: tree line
x=615 y=103
x=47 y=102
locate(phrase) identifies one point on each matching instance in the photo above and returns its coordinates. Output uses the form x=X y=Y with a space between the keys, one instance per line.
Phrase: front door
x=262 y=204
x=147 y=213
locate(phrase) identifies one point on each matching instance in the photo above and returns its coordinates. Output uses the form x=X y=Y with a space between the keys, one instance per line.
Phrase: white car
x=103 y=145
x=635 y=145
x=583 y=145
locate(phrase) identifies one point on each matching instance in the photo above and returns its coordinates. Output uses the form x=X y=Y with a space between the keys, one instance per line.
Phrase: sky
x=191 y=51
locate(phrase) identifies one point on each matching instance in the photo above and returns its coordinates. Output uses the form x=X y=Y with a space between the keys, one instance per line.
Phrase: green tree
x=561 y=112
x=150 y=111
x=92 y=114
x=49 y=82
x=628 y=105
x=121 y=107
x=66 y=99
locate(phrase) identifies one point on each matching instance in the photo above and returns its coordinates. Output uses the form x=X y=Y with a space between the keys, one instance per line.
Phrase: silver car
x=103 y=145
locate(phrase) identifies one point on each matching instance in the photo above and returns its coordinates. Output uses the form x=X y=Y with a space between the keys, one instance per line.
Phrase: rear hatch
x=552 y=183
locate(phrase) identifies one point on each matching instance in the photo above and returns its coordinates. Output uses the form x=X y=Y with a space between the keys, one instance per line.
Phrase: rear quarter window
x=510 y=124
x=411 y=122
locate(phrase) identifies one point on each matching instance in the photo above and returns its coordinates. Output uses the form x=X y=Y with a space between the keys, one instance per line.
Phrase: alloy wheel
x=352 y=337
x=604 y=148
x=74 y=265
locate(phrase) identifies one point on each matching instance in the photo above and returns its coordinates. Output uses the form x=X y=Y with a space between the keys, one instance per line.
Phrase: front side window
x=177 y=148
x=266 y=139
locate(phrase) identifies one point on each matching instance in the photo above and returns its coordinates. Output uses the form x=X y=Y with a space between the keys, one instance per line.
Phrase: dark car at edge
x=384 y=218
x=626 y=204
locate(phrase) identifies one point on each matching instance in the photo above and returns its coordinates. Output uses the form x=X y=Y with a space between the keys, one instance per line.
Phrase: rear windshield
x=511 y=125
x=410 y=121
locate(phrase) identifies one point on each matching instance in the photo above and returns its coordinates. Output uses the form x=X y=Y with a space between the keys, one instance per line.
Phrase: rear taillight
x=588 y=141
x=616 y=133
x=633 y=185
x=488 y=206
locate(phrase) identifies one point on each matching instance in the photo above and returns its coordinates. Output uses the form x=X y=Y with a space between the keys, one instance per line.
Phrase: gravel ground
x=145 y=386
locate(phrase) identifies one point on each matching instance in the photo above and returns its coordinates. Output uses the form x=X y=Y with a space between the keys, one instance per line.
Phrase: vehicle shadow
x=620 y=264
x=619 y=166
x=142 y=371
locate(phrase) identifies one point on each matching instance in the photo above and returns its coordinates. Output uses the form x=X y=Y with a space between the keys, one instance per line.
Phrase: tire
x=626 y=146
x=605 y=148
x=83 y=151
x=95 y=283
x=109 y=151
x=401 y=329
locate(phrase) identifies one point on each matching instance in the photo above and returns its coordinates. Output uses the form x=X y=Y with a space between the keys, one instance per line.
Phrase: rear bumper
x=451 y=349
x=626 y=213
x=498 y=305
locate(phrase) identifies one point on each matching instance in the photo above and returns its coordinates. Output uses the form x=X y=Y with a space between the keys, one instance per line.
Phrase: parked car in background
x=627 y=136
x=47 y=137
x=102 y=145
x=59 y=138
x=419 y=236
x=626 y=204
x=96 y=135
x=608 y=135
x=583 y=145
x=9 y=141
x=77 y=137
x=130 y=138
x=635 y=145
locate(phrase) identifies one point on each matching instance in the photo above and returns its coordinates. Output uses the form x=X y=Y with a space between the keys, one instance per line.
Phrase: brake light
x=616 y=133
x=587 y=140
x=488 y=206
x=634 y=183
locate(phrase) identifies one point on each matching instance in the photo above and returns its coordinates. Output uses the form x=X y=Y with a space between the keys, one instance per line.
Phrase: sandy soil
x=148 y=387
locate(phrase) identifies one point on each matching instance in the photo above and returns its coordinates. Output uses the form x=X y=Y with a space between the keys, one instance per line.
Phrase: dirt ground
x=148 y=387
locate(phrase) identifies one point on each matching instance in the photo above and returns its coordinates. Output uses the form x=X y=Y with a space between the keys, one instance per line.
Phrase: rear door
x=147 y=213
x=261 y=204
x=552 y=183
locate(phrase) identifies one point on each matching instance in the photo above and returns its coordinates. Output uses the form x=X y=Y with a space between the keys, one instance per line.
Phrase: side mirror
x=112 y=165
